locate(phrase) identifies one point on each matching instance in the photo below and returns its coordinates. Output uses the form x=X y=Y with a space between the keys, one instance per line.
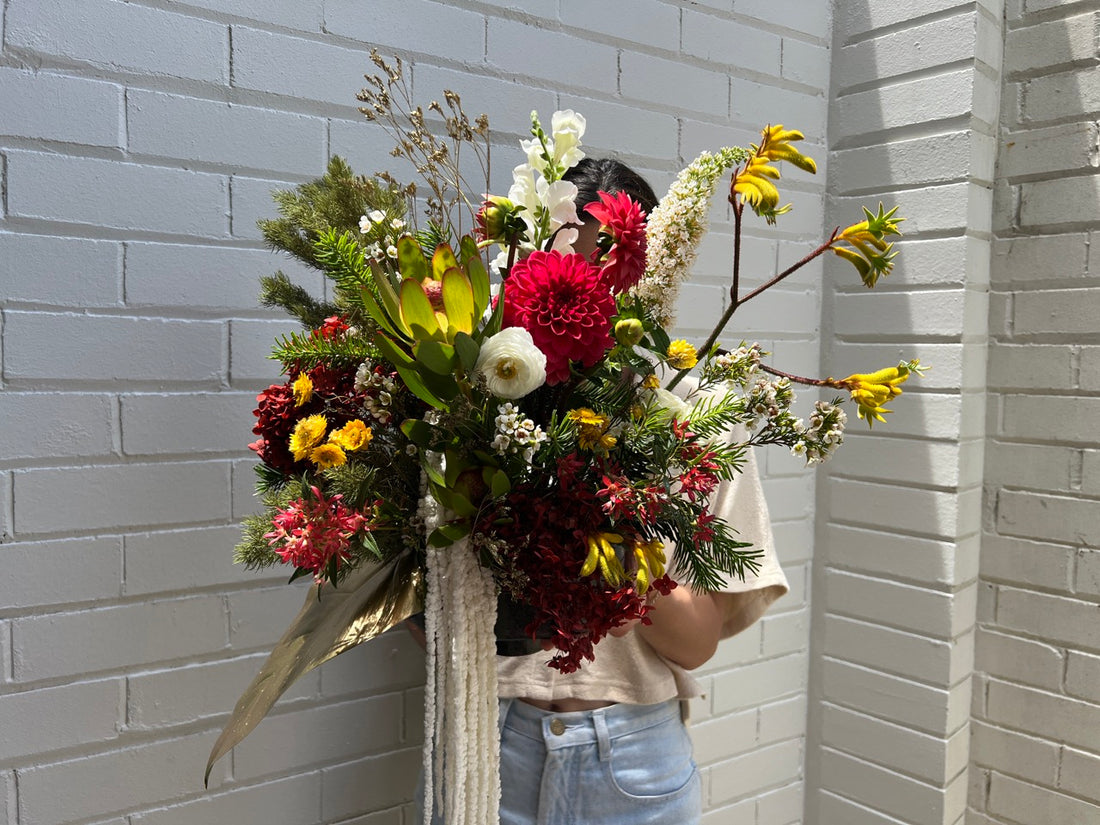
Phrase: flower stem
x=792 y=268
x=737 y=210
x=799 y=379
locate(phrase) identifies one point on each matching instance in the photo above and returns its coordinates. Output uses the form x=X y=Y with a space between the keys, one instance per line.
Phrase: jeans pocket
x=653 y=763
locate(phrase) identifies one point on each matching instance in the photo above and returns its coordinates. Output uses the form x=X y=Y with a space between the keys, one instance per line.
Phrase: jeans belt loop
x=603 y=738
x=504 y=706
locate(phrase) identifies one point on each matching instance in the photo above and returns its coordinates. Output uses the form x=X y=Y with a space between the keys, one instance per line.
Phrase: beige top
x=626 y=668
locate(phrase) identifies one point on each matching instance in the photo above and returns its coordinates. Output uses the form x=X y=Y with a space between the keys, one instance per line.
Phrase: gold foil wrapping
x=372 y=599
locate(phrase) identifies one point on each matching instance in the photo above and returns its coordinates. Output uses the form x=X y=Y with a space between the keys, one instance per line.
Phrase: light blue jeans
x=619 y=765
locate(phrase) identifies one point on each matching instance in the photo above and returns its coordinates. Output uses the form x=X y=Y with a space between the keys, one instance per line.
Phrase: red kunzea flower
x=311 y=531
x=624 y=220
x=565 y=305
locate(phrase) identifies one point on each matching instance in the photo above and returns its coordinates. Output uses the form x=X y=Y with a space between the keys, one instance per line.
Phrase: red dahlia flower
x=562 y=301
x=622 y=219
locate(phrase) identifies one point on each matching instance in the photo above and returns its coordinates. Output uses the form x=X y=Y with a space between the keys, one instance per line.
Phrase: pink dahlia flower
x=622 y=219
x=565 y=305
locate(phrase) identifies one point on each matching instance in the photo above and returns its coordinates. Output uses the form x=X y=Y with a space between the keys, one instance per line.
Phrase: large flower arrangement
x=525 y=433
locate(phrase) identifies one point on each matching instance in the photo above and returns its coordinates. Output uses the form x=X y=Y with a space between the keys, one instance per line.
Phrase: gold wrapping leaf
x=372 y=599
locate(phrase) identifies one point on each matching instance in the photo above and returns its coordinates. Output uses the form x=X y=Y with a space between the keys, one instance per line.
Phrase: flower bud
x=496 y=218
x=629 y=331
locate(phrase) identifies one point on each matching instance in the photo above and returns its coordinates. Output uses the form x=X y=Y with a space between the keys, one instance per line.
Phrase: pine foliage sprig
x=306 y=351
x=714 y=414
x=342 y=259
x=278 y=291
x=335 y=201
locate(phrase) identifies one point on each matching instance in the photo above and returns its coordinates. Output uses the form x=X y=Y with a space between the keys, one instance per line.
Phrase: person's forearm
x=685 y=627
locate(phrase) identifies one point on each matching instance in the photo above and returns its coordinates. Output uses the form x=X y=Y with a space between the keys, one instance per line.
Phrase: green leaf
x=439 y=358
x=443 y=259
x=417 y=312
x=499 y=484
x=492 y=327
x=389 y=297
x=467 y=349
x=417 y=387
x=374 y=309
x=453 y=501
x=456 y=463
x=661 y=340
x=458 y=300
x=441 y=386
x=410 y=260
x=475 y=271
x=391 y=352
x=447 y=534
x=418 y=432
x=467 y=250
x=298 y=573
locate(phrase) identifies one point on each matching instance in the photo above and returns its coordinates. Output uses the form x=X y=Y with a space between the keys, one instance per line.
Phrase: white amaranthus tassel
x=461 y=732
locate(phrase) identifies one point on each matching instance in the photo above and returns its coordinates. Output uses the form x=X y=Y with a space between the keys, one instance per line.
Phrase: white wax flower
x=511 y=364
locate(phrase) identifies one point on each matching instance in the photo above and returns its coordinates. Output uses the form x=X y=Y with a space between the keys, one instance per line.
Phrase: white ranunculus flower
x=511 y=364
x=670 y=401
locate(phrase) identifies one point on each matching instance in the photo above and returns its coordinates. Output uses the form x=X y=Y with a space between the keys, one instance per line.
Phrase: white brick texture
x=913 y=121
x=1035 y=647
x=946 y=670
x=140 y=141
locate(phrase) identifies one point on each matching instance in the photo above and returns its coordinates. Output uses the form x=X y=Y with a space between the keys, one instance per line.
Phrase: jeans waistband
x=583 y=727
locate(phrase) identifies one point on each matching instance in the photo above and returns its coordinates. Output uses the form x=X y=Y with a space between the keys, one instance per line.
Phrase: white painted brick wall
x=1033 y=761
x=912 y=124
x=139 y=144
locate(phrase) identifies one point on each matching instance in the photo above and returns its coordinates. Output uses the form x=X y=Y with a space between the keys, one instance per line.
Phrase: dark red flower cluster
x=276 y=414
x=549 y=528
x=563 y=302
x=623 y=220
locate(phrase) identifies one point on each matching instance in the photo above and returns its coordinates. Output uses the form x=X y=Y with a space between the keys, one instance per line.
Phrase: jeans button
x=557 y=727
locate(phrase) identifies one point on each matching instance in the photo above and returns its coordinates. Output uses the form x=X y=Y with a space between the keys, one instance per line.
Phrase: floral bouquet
x=489 y=416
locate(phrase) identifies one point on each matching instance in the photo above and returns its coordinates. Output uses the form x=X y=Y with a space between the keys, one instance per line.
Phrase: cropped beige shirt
x=626 y=668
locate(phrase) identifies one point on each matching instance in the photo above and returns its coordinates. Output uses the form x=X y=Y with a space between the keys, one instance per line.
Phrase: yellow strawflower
x=328 y=455
x=650 y=382
x=681 y=355
x=592 y=429
x=308 y=433
x=303 y=389
x=355 y=435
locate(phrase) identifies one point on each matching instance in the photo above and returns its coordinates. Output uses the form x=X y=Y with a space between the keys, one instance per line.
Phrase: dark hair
x=594 y=175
